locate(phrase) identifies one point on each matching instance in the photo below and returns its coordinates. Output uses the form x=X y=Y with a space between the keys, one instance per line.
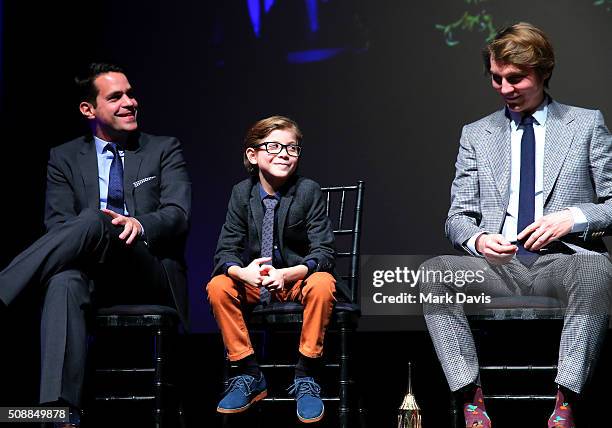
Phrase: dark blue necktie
x=267 y=241
x=526 y=214
x=114 y=200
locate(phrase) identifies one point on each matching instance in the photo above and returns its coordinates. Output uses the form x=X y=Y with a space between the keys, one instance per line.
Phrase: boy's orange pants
x=227 y=298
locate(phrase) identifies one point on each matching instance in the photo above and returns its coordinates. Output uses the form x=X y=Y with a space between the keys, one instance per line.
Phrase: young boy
x=276 y=244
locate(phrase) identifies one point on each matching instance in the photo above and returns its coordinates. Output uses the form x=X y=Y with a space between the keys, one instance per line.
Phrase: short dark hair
x=85 y=82
x=261 y=129
x=524 y=46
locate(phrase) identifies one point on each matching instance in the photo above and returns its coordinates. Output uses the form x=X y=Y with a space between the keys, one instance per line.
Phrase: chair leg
x=178 y=394
x=361 y=410
x=260 y=415
x=344 y=410
x=181 y=415
x=159 y=360
x=169 y=382
x=456 y=413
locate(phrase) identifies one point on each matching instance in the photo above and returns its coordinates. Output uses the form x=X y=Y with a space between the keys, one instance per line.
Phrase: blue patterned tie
x=114 y=200
x=526 y=214
x=267 y=241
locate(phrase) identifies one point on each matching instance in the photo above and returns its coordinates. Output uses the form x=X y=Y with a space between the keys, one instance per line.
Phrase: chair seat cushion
x=297 y=308
x=519 y=308
x=137 y=316
x=291 y=313
x=138 y=310
x=512 y=302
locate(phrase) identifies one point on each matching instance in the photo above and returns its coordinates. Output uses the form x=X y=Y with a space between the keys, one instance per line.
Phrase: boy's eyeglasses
x=275 y=148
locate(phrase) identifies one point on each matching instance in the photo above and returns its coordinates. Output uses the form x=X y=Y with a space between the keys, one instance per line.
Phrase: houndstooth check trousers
x=582 y=280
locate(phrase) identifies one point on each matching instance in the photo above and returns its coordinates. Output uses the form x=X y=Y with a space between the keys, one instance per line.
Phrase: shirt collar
x=263 y=194
x=101 y=145
x=540 y=114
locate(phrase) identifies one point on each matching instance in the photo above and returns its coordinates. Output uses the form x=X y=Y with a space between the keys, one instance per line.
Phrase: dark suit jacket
x=162 y=202
x=304 y=230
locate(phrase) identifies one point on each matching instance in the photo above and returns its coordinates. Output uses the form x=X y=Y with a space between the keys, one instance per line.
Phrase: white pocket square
x=143 y=180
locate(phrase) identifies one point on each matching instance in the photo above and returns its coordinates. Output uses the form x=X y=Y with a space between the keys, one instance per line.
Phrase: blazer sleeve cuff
x=470 y=245
x=228 y=265
x=580 y=220
x=312 y=266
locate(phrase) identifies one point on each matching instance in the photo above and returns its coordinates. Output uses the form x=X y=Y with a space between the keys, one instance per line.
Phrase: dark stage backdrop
x=380 y=89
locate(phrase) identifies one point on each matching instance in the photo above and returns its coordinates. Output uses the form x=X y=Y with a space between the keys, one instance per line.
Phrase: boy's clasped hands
x=259 y=274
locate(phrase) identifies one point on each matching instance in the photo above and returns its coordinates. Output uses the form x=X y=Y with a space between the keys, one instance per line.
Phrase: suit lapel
x=132 y=161
x=558 y=141
x=256 y=209
x=88 y=165
x=496 y=146
x=283 y=209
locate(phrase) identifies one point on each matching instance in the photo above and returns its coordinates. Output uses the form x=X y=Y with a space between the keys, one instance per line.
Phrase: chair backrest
x=344 y=209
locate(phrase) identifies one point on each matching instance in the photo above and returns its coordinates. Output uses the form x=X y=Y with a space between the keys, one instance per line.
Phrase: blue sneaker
x=307 y=393
x=241 y=392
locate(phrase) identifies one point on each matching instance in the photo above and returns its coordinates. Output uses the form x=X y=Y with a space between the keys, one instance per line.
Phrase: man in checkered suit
x=530 y=202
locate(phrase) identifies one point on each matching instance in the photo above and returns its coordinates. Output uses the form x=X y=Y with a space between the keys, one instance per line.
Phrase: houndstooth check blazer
x=577 y=172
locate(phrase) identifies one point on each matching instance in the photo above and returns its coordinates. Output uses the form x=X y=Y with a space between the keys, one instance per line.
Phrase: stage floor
x=379 y=364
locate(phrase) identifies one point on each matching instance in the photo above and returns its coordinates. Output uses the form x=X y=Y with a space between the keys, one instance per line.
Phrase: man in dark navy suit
x=118 y=204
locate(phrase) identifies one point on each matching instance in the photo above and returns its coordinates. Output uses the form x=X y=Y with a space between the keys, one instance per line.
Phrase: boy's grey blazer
x=577 y=173
x=304 y=230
